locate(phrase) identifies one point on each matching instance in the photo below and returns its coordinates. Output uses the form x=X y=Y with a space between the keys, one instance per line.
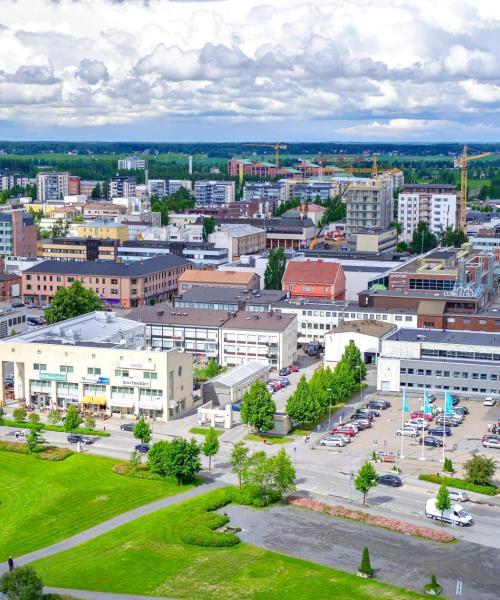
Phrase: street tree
x=210 y=446
x=443 y=500
x=275 y=269
x=366 y=479
x=34 y=418
x=35 y=441
x=269 y=477
x=302 y=406
x=343 y=382
x=480 y=470
x=73 y=419
x=284 y=472
x=22 y=583
x=96 y=192
x=54 y=416
x=142 y=431
x=208 y=227
x=352 y=356
x=452 y=237
x=71 y=302
x=423 y=239
x=239 y=460
x=179 y=459
x=258 y=408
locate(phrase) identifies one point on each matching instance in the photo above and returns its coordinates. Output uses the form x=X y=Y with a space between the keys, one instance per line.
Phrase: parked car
x=366 y=422
x=17 y=304
x=418 y=423
x=455 y=400
x=343 y=436
x=364 y=413
x=419 y=414
x=489 y=401
x=458 y=495
x=333 y=442
x=361 y=426
x=285 y=371
x=293 y=369
x=455 y=514
x=142 y=448
x=461 y=410
x=491 y=442
x=432 y=398
x=390 y=479
x=74 y=438
x=408 y=432
x=196 y=385
x=371 y=411
x=377 y=405
x=442 y=431
x=449 y=420
x=429 y=440
x=345 y=431
x=270 y=388
x=284 y=380
x=127 y=426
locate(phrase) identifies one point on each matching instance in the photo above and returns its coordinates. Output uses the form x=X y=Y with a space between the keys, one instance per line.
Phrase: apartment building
x=239 y=239
x=436 y=205
x=73 y=185
x=211 y=278
x=376 y=240
x=102 y=230
x=131 y=163
x=9 y=180
x=200 y=254
x=488 y=240
x=369 y=206
x=51 y=185
x=166 y=187
x=312 y=191
x=314 y=279
x=266 y=192
x=10 y=286
x=464 y=363
x=228 y=298
x=99 y=363
x=17 y=234
x=214 y=193
x=124 y=285
x=122 y=187
x=11 y=320
x=67 y=248
x=87 y=186
x=103 y=210
x=311 y=211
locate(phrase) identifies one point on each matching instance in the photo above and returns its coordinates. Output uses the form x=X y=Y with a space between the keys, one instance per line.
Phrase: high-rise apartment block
x=214 y=193
x=434 y=204
x=9 y=181
x=17 y=234
x=369 y=206
x=122 y=187
x=167 y=187
x=52 y=185
x=131 y=163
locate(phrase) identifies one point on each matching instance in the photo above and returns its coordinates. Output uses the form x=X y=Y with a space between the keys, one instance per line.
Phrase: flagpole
x=401 y=455
x=426 y=409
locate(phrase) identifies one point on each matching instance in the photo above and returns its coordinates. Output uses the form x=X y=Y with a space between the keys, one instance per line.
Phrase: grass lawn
x=147 y=557
x=205 y=430
x=268 y=439
x=42 y=502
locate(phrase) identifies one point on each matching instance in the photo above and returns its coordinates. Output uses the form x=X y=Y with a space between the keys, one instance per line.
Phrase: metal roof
x=438 y=336
x=240 y=373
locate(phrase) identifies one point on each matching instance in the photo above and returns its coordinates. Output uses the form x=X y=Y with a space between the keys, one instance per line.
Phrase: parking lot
x=381 y=437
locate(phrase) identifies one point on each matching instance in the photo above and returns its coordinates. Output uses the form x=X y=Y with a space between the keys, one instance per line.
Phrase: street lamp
x=329 y=390
x=360 y=383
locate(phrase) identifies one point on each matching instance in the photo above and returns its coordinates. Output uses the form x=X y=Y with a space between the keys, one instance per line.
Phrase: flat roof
x=240 y=373
x=216 y=277
x=340 y=307
x=168 y=314
x=262 y=321
x=438 y=336
x=366 y=327
x=200 y=293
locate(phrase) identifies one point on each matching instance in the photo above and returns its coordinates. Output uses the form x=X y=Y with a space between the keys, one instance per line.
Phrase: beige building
x=207 y=277
x=98 y=363
x=102 y=229
x=376 y=240
x=239 y=239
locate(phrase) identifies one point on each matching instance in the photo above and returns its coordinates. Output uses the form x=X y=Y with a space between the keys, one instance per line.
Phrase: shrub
x=480 y=470
x=365 y=566
x=49 y=453
x=90 y=423
x=461 y=484
x=199 y=531
x=20 y=414
x=448 y=465
x=80 y=430
x=140 y=472
x=54 y=416
x=17 y=447
x=34 y=418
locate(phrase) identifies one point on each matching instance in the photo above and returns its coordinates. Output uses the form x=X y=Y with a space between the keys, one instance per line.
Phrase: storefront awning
x=96 y=400
x=122 y=402
x=151 y=404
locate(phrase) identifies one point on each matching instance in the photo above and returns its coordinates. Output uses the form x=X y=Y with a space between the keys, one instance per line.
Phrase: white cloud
x=390 y=69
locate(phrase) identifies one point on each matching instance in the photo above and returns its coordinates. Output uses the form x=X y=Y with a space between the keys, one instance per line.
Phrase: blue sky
x=295 y=70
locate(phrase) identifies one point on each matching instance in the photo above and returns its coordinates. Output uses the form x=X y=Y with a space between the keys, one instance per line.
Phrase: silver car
x=334 y=442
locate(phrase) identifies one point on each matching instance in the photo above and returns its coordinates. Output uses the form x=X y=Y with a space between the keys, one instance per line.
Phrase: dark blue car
x=142 y=448
x=442 y=431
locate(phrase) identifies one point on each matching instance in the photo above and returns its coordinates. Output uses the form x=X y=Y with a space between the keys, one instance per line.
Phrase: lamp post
x=358 y=367
x=329 y=390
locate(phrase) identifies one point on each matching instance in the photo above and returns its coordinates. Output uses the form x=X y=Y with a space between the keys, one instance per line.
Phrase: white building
x=167 y=187
x=131 y=163
x=52 y=185
x=435 y=205
x=214 y=193
x=122 y=187
x=239 y=239
x=369 y=206
x=98 y=361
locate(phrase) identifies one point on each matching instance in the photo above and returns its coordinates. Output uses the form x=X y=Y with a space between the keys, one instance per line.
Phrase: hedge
x=47 y=427
x=461 y=484
x=48 y=453
x=140 y=472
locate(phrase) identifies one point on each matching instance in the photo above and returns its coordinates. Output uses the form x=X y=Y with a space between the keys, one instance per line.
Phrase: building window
x=148 y=375
x=93 y=371
x=66 y=369
x=121 y=373
x=39 y=367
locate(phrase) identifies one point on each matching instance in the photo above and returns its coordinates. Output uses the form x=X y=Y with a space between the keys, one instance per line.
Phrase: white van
x=455 y=515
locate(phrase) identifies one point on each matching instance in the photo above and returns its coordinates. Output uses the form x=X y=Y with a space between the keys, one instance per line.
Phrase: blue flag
x=448 y=404
x=405 y=402
x=427 y=405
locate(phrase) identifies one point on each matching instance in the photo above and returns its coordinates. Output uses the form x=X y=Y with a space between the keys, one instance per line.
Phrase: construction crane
x=338 y=199
x=277 y=147
x=461 y=162
x=346 y=163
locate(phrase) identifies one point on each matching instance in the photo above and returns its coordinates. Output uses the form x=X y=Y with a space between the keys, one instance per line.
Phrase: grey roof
x=259 y=321
x=270 y=224
x=203 y=293
x=364 y=269
x=87 y=267
x=240 y=373
x=340 y=307
x=167 y=314
x=438 y=336
x=351 y=255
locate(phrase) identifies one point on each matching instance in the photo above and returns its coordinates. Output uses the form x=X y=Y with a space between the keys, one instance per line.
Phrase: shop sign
x=52 y=376
x=133 y=381
x=136 y=366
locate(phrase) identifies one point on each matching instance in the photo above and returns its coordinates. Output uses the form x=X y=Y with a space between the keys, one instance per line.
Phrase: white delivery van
x=455 y=515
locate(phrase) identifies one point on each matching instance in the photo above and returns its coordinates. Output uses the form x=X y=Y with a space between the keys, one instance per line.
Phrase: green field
x=147 y=557
x=42 y=502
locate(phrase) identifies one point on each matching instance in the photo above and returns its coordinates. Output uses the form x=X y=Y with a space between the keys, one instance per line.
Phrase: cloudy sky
x=163 y=70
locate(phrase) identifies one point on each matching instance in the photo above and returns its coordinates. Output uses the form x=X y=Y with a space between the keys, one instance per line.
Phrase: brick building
x=314 y=279
x=17 y=234
x=10 y=286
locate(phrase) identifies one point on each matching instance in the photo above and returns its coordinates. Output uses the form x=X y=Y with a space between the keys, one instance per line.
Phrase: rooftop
x=200 y=293
x=366 y=327
x=308 y=271
x=340 y=307
x=217 y=277
x=438 y=336
x=265 y=321
x=239 y=230
x=241 y=372
x=168 y=314
x=270 y=224
x=86 y=267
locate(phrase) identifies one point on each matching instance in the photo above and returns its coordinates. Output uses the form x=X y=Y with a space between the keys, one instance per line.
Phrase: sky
x=236 y=70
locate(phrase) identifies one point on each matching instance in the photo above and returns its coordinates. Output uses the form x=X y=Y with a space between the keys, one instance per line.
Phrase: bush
x=480 y=470
x=140 y=472
x=433 y=586
x=48 y=453
x=365 y=566
x=448 y=466
x=20 y=414
x=34 y=418
x=199 y=531
x=461 y=484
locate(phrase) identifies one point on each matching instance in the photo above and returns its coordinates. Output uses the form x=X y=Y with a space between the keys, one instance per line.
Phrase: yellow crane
x=277 y=147
x=461 y=162
x=347 y=162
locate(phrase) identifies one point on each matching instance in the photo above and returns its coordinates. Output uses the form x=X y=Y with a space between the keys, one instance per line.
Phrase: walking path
x=86 y=595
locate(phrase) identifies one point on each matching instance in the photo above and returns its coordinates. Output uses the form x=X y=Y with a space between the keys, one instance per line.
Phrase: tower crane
x=277 y=147
x=461 y=162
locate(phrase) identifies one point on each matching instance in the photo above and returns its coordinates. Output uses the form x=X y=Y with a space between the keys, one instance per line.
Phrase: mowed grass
x=147 y=557
x=42 y=502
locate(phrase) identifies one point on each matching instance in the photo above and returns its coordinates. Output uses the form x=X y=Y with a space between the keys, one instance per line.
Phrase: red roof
x=311 y=271
x=315 y=208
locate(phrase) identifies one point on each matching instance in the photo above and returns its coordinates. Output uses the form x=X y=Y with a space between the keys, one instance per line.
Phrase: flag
x=448 y=404
x=427 y=406
x=405 y=403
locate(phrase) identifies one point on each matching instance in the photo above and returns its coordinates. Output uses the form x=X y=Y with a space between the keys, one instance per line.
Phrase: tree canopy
x=71 y=302
x=275 y=269
x=179 y=459
x=366 y=479
x=303 y=406
x=258 y=408
x=423 y=240
x=210 y=446
x=142 y=431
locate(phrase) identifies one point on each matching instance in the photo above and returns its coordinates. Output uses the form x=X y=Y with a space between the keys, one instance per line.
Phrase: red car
x=275 y=384
x=418 y=414
x=345 y=431
x=293 y=369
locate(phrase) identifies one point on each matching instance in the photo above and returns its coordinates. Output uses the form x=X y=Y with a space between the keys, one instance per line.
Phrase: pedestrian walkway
x=86 y=595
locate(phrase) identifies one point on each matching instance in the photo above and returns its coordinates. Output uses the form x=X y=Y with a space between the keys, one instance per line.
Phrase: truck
x=456 y=514
x=312 y=348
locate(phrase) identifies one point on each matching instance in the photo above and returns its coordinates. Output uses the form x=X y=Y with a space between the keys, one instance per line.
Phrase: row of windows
x=59 y=279
x=453 y=374
x=359 y=316
x=460 y=354
x=431 y=284
x=447 y=387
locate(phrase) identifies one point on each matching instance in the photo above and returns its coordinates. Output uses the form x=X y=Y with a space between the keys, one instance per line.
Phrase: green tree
x=34 y=418
x=284 y=472
x=269 y=477
x=423 y=240
x=73 y=419
x=179 y=459
x=448 y=465
x=54 y=416
x=366 y=566
x=96 y=192
x=22 y=583
x=343 y=382
x=1 y=415
x=212 y=369
x=366 y=479
x=275 y=269
x=288 y=205
x=352 y=356
x=60 y=228
x=258 y=408
x=134 y=461
x=239 y=460
x=302 y=406
x=19 y=414
x=71 y=302
x=210 y=446
x=35 y=441
x=452 y=237
x=208 y=227
x=480 y=470
x=443 y=500
x=142 y=431
x=13 y=332
x=90 y=423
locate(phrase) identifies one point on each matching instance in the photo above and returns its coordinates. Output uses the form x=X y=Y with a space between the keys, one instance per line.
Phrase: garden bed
x=361 y=517
x=48 y=453
x=461 y=484
x=47 y=427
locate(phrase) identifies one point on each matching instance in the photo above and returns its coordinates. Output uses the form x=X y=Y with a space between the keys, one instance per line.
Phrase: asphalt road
x=402 y=560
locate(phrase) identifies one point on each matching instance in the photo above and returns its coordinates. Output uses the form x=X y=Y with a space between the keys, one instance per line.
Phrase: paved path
x=111 y=524
x=86 y=595
x=398 y=559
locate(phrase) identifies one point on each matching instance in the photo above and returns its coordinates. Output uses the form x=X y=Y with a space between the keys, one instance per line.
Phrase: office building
x=434 y=204
x=239 y=239
x=376 y=240
x=88 y=186
x=103 y=210
x=122 y=187
x=464 y=363
x=214 y=193
x=103 y=230
x=265 y=192
x=17 y=234
x=488 y=240
x=124 y=285
x=131 y=163
x=51 y=185
x=313 y=191
x=78 y=248
x=99 y=363
x=200 y=254
x=290 y=234
x=369 y=206
x=11 y=320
